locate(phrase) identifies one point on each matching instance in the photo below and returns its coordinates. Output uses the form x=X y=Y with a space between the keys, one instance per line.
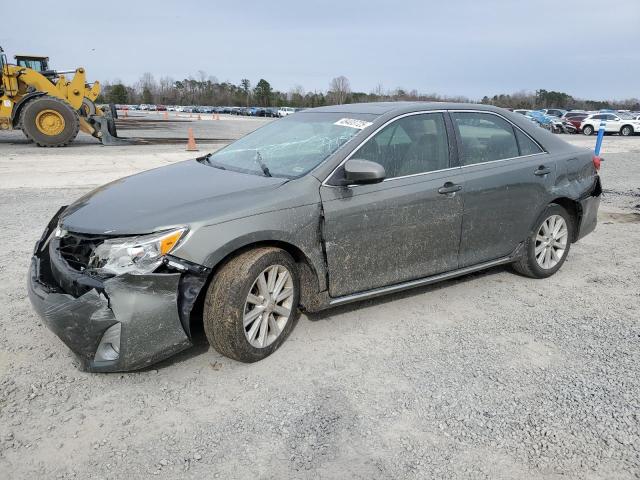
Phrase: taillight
x=596 y=162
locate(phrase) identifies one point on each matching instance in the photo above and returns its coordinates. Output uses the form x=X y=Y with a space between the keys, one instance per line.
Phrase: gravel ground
x=492 y=375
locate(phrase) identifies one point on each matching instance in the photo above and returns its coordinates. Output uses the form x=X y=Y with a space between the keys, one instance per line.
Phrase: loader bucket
x=105 y=130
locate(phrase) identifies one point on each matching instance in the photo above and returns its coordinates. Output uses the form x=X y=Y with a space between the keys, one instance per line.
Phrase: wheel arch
x=574 y=209
x=17 y=109
x=308 y=272
x=633 y=130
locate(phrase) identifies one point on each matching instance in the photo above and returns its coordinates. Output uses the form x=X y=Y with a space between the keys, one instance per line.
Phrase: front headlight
x=135 y=255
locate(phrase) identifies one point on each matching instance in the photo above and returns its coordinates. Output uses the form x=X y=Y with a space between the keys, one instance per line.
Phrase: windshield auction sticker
x=353 y=123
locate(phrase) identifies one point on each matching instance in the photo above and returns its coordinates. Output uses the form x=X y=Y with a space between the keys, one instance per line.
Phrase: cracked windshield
x=291 y=147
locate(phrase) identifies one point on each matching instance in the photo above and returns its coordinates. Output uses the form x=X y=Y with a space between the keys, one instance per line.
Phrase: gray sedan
x=324 y=207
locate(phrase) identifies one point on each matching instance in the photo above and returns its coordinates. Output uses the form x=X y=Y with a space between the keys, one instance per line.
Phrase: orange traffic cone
x=166 y=116
x=191 y=143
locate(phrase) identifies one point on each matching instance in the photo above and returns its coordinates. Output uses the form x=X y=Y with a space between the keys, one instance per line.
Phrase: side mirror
x=358 y=171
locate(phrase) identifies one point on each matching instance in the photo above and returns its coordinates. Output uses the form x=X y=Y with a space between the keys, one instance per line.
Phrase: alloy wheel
x=551 y=241
x=268 y=306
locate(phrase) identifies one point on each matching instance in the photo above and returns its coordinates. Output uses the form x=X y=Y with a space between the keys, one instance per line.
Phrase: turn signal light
x=168 y=242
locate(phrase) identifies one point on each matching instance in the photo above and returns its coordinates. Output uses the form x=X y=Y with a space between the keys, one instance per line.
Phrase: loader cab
x=39 y=64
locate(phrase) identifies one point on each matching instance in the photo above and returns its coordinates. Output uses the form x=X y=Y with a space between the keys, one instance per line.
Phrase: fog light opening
x=109 y=347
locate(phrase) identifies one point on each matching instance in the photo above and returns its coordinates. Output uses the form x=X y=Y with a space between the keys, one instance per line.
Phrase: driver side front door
x=404 y=228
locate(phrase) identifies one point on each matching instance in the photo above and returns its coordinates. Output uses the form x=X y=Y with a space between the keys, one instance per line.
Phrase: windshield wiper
x=207 y=157
x=265 y=169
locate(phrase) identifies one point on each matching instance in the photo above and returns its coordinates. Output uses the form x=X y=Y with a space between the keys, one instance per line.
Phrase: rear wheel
x=252 y=304
x=49 y=122
x=588 y=130
x=548 y=245
x=626 y=130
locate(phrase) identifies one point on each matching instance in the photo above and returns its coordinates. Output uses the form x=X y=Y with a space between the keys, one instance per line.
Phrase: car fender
x=297 y=227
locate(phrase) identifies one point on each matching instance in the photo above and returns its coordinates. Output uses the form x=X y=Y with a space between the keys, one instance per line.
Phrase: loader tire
x=49 y=122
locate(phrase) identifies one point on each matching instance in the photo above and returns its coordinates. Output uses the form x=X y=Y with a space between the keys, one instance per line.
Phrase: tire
x=52 y=113
x=529 y=265
x=227 y=305
x=626 y=131
x=588 y=130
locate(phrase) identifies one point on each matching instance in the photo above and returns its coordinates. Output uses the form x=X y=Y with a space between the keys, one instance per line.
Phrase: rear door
x=404 y=228
x=614 y=123
x=506 y=177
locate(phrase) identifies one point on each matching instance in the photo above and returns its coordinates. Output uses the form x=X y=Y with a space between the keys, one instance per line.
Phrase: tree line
x=207 y=90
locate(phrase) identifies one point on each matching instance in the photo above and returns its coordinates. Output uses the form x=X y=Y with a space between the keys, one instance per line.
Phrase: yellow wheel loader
x=47 y=107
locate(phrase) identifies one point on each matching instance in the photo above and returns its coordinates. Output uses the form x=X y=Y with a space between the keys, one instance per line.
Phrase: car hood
x=175 y=195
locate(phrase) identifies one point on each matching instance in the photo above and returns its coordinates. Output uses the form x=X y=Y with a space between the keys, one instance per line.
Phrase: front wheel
x=626 y=130
x=588 y=130
x=252 y=304
x=548 y=245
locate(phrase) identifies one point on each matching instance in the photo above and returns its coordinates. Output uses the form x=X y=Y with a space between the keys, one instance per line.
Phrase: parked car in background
x=576 y=120
x=551 y=122
x=622 y=123
x=573 y=113
x=329 y=206
x=284 y=111
x=161 y=108
x=541 y=119
x=554 y=112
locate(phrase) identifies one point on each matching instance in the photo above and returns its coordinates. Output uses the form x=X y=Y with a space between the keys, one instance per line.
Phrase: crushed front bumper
x=152 y=310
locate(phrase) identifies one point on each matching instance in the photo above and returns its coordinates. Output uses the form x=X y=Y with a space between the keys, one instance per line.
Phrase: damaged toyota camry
x=324 y=207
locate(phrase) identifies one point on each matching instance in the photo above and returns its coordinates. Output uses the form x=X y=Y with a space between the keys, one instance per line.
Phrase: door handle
x=542 y=170
x=450 y=187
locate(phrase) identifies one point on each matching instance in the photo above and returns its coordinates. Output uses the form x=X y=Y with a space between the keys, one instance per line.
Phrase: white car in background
x=284 y=111
x=619 y=122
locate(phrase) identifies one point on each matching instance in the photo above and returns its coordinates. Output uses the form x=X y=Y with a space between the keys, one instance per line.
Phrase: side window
x=597 y=117
x=485 y=137
x=413 y=144
x=527 y=146
x=612 y=117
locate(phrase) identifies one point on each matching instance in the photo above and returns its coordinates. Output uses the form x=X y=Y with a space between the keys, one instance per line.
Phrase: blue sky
x=588 y=48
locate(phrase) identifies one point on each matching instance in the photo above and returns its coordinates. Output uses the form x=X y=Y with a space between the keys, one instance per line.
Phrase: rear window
x=527 y=146
x=485 y=137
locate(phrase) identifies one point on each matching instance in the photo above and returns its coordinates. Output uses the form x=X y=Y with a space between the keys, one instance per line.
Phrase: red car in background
x=576 y=120
x=161 y=108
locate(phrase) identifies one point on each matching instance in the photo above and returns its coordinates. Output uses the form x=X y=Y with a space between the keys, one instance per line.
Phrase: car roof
x=381 y=108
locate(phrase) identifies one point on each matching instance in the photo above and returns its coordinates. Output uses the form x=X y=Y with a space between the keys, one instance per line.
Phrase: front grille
x=76 y=248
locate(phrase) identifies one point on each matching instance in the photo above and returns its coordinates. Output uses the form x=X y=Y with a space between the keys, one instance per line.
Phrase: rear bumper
x=149 y=310
x=589 y=210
